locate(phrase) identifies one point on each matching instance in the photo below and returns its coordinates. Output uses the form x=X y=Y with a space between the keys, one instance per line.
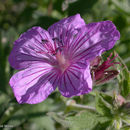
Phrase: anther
x=44 y=41
x=57 y=49
x=57 y=40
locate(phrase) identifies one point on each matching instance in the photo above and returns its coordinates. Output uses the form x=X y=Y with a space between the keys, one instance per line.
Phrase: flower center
x=58 y=51
x=63 y=62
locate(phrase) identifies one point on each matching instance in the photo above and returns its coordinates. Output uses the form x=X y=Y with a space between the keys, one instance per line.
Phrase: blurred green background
x=16 y=16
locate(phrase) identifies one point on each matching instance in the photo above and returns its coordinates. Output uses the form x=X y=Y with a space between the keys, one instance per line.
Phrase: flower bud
x=101 y=72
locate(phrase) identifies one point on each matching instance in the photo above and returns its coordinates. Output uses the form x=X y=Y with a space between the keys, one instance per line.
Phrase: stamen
x=57 y=39
x=44 y=41
x=48 y=47
x=58 y=42
x=58 y=47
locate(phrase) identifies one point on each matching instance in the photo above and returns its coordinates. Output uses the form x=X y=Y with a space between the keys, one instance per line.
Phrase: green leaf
x=9 y=112
x=85 y=4
x=15 y=111
x=117 y=124
x=122 y=5
x=102 y=126
x=107 y=98
x=45 y=21
x=123 y=78
x=85 y=120
x=59 y=119
x=104 y=104
x=43 y=123
x=125 y=127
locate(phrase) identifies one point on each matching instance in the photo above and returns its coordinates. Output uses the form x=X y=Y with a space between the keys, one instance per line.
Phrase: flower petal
x=75 y=81
x=32 y=46
x=56 y=30
x=93 y=39
x=34 y=84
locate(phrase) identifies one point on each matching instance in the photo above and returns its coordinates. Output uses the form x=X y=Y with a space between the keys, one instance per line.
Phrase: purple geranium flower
x=59 y=57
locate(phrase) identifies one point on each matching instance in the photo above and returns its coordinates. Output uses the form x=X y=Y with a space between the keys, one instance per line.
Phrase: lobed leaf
x=104 y=104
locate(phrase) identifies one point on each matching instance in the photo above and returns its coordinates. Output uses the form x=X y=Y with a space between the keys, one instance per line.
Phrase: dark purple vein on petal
x=70 y=81
x=40 y=76
x=93 y=46
x=81 y=44
x=64 y=80
x=74 y=74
